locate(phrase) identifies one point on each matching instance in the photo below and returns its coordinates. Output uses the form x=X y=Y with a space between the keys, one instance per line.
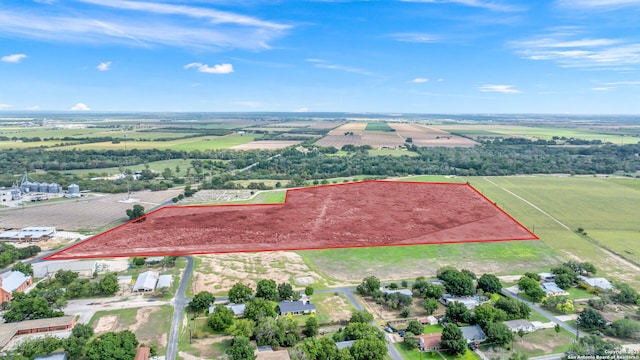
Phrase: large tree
x=242 y=327
x=285 y=291
x=489 y=283
x=241 y=349
x=369 y=348
x=221 y=318
x=267 y=289
x=590 y=319
x=240 y=293
x=415 y=327
x=311 y=326
x=257 y=308
x=498 y=334
x=369 y=286
x=361 y=316
x=430 y=305
x=135 y=212
x=113 y=346
x=201 y=301
x=452 y=341
x=456 y=312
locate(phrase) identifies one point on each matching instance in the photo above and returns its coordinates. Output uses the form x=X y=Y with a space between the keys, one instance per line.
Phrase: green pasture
x=547 y=133
x=408 y=262
x=30 y=144
x=433 y=178
x=195 y=143
x=605 y=209
x=378 y=126
x=265 y=197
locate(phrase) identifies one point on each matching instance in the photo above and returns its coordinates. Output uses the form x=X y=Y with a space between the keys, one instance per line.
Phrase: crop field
x=422 y=135
x=544 y=133
x=350 y=215
x=355 y=127
x=378 y=126
x=265 y=145
x=157 y=166
x=196 y=143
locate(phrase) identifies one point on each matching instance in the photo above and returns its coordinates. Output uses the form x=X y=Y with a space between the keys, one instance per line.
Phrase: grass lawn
x=578 y=293
x=403 y=262
x=155 y=327
x=415 y=354
x=328 y=304
x=433 y=329
x=468 y=355
x=537 y=343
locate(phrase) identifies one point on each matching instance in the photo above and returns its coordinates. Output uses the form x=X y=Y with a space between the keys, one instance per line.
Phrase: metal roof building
x=164 y=281
x=146 y=282
x=82 y=267
x=13 y=280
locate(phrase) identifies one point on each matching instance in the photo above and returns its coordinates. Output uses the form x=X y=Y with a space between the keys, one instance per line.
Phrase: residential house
x=143 y=353
x=473 y=333
x=552 y=289
x=56 y=356
x=296 y=307
x=154 y=260
x=399 y=291
x=520 y=324
x=164 y=281
x=469 y=302
x=13 y=281
x=547 y=277
x=598 y=283
x=267 y=353
x=429 y=342
x=344 y=344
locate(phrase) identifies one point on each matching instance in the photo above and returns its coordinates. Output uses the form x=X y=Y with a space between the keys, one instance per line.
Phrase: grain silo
x=33 y=187
x=73 y=189
x=54 y=188
x=43 y=187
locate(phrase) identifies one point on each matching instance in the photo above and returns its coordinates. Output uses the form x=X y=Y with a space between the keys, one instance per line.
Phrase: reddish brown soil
x=373 y=213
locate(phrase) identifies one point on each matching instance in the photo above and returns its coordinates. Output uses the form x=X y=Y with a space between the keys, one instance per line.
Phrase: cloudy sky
x=418 y=56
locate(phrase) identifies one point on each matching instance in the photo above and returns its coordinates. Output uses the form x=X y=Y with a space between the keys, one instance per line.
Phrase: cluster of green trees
x=50 y=296
x=9 y=253
x=457 y=283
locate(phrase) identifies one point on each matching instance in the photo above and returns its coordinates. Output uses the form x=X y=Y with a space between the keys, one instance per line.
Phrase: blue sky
x=413 y=56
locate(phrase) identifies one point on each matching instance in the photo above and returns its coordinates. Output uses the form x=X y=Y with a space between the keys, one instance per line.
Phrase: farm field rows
x=422 y=135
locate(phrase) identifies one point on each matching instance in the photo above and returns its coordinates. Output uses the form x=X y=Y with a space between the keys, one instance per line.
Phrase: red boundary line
x=58 y=254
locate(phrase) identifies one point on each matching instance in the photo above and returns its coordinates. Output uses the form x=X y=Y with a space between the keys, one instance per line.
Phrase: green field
x=195 y=143
x=158 y=166
x=378 y=126
x=605 y=208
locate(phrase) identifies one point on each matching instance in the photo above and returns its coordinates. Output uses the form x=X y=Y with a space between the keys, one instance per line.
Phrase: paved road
x=549 y=357
x=543 y=312
x=180 y=301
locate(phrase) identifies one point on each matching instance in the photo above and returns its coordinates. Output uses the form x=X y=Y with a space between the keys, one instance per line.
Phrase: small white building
x=146 y=282
x=164 y=281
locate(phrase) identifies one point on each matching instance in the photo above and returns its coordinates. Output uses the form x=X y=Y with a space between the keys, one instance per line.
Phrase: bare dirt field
x=375 y=139
x=266 y=145
x=88 y=213
x=357 y=128
x=428 y=136
x=218 y=273
x=363 y=214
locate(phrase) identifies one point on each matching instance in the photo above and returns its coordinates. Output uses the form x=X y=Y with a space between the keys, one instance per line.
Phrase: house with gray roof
x=473 y=333
x=344 y=344
x=13 y=281
x=164 y=281
x=146 y=282
x=520 y=324
x=552 y=289
x=599 y=283
x=296 y=307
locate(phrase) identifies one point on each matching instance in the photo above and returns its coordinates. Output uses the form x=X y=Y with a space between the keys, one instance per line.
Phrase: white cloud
x=80 y=107
x=104 y=66
x=420 y=80
x=599 y=4
x=302 y=109
x=489 y=5
x=601 y=88
x=565 y=48
x=505 y=89
x=440 y=80
x=13 y=58
x=215 y=69
x=4 y=106
x=415 y=37
x=623 y=83
x=323 y=64
x=164 y=24
x=35 y=107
